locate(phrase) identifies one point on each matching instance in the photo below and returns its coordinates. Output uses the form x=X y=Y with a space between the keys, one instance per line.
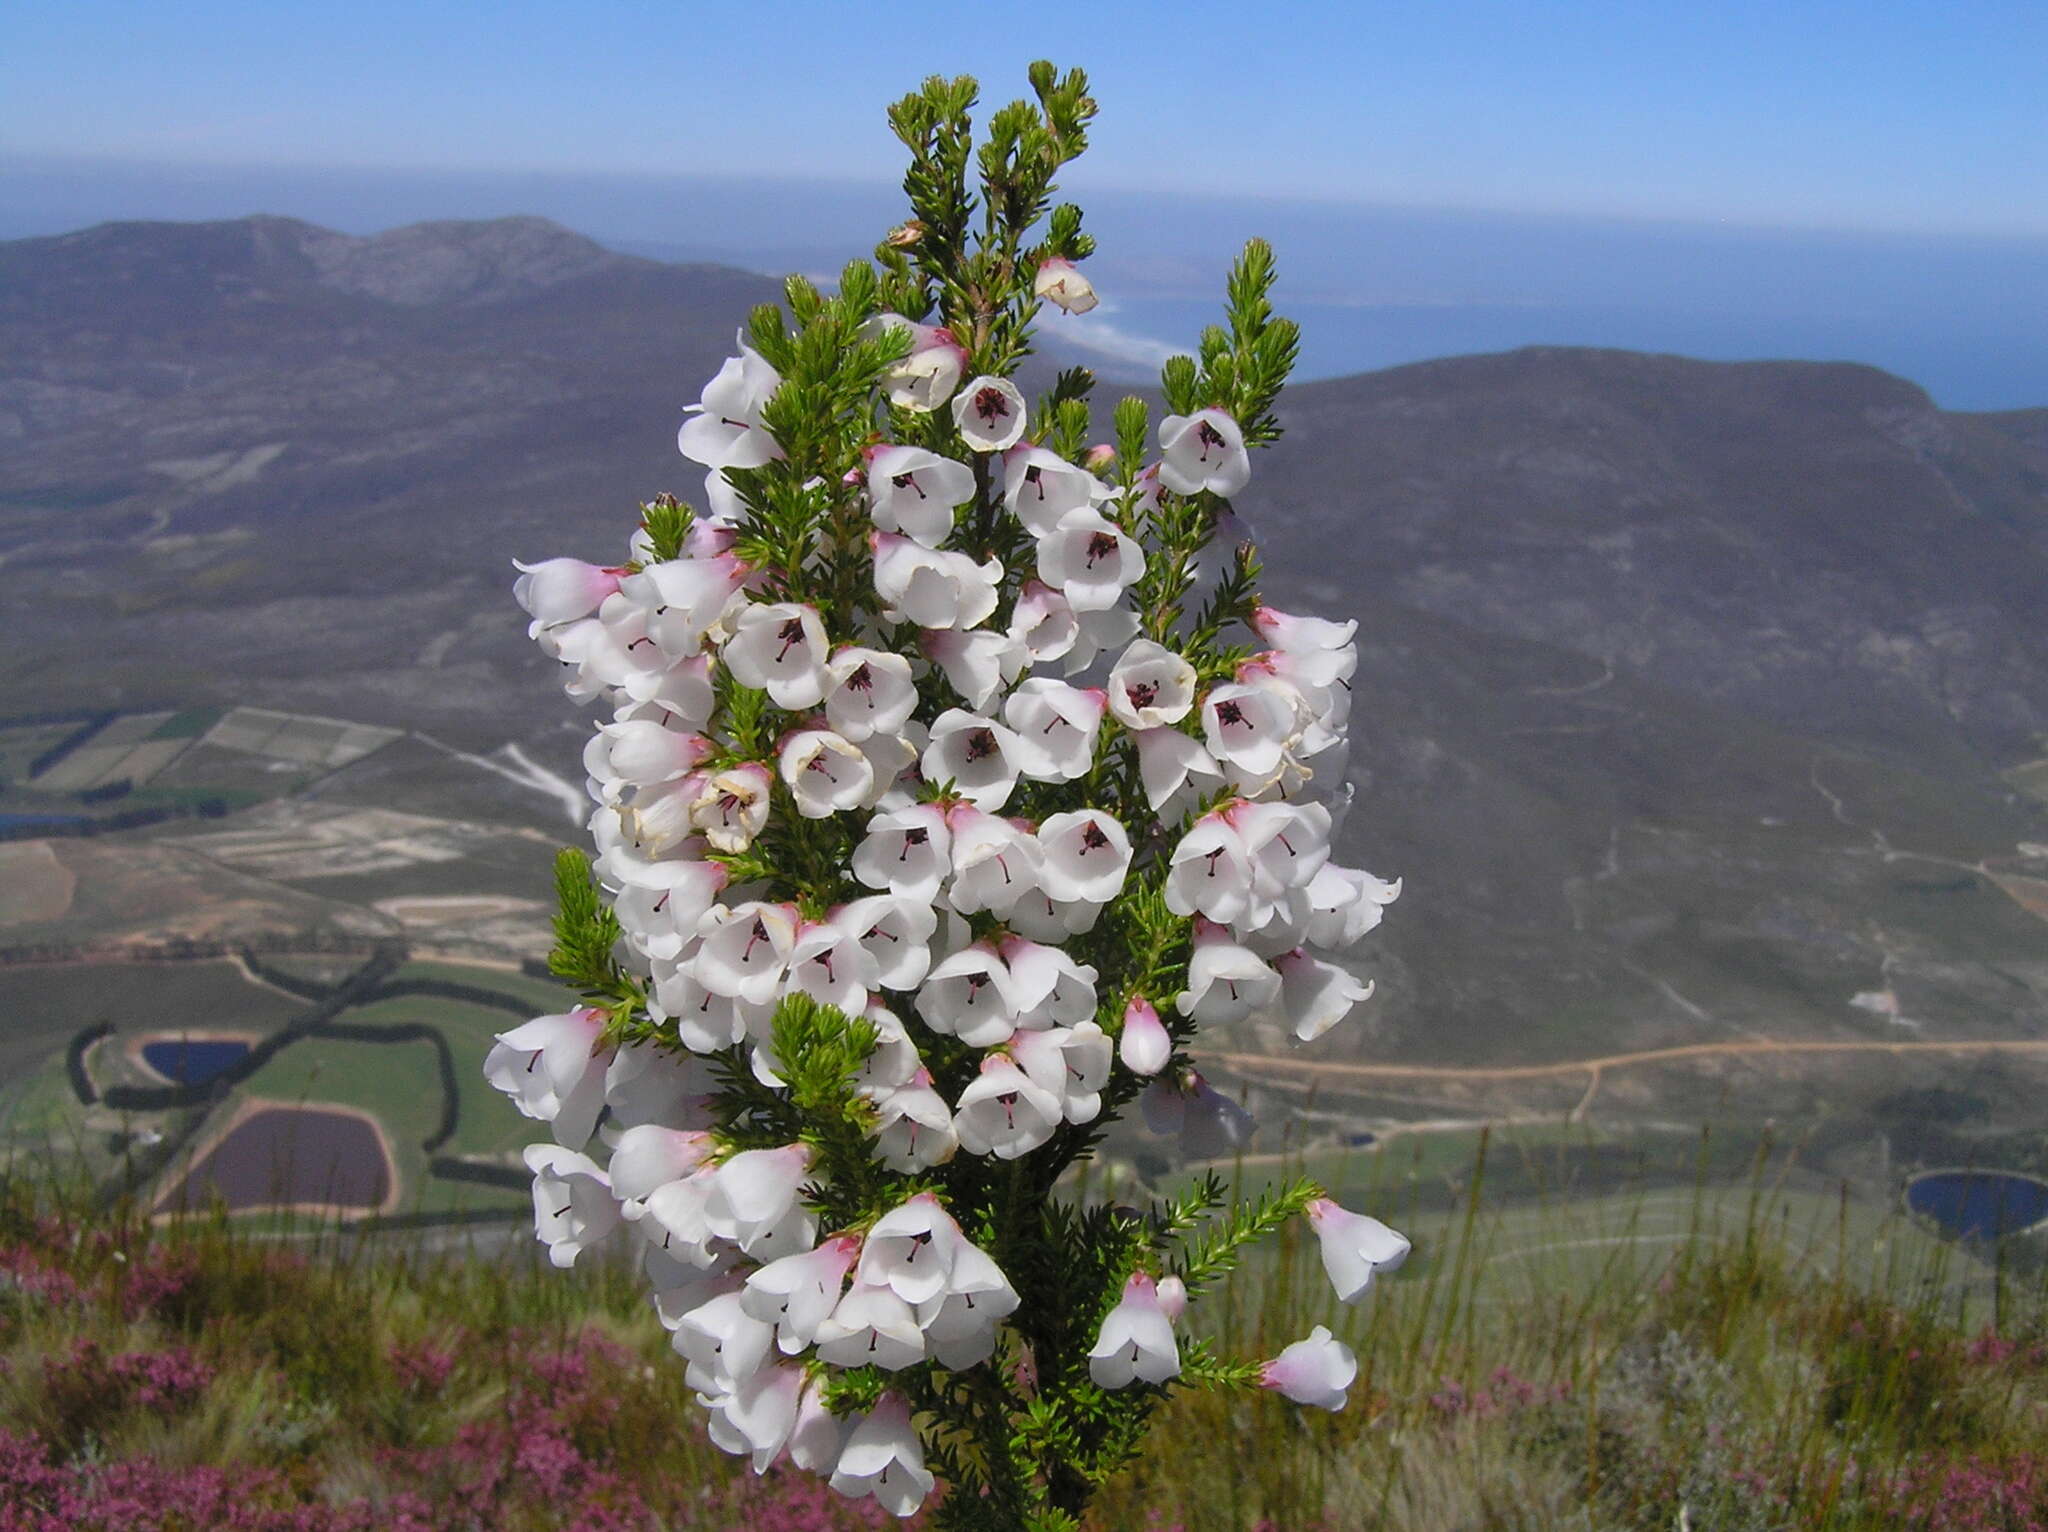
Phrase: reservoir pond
x=1979 y=1204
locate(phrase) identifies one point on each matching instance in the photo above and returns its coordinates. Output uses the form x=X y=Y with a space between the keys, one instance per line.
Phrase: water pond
x=290 y=1156
x=1979 y=1204
x=193 y=1061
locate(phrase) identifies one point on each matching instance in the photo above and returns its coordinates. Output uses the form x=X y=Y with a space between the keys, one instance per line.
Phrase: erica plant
x=952 y=775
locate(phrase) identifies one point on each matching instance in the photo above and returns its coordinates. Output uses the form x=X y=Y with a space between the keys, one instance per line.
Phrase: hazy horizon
x=1964 y=316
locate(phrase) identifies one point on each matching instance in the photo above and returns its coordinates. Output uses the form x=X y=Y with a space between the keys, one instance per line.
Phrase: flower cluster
x=932 y=817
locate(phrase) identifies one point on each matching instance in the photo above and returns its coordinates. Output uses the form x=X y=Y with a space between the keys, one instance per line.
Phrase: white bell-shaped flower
x=1174 y=767
x=683 y=598
x=681 y=696
x=1071 y=1062
x=1059 y=282
x=930 y=587
x=826 y=772
x=561 y=590
x=1343 y=903
x=1226 y=981
x=797 y=1293
x=911 y=1248
x=1100 y=633
x=732 y=808
x=1150 y=685
x=1203 y=451
x=573 y=1204
x=995 y=862
x=914 y=492
x=1288 y=843
x=1045 y=919
x=868 y=692
x=1089 y=560
x=706 y=1021
x=829 y=963
x=1355 y=1247
x=818 y=1435
x=1316 y=995
x=871 y=1327
x=1058 y=725
x=971 y=995
x=553 y=1070
x=724 y=429
x=1247 y=726
x=1136 y=1339
x=1144 y=1045
x=1004 y=1112
x=1210 y=871
x=1043 y=622
x=1318 y=1371
x=1040 y=487
x=926 y=378
x=641 y=753
x=908 y=852
x=883 y=1457
x=745 y=950
x=960 y=1323
x=1328 y=643
x=913 y=1127
x=755 y=1190
x=761 y=1413
x=1049 y=987
x=990 y=414
x=975 y=662
x=980 y=757
x=1086 y=855
x=650 y=1156
x=894 y=759
x=672 y=1218
x=724 y=1345
x=650 y=1084
x=779 y=647
x=896 y=933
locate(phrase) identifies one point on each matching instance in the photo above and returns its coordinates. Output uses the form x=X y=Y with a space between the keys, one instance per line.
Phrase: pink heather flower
x=1173 y=1298
x=1203 y=451
x=1354 y=1247
x=896 y=933
x=1071 y=1062
x=552 y=1070
x=990 y=414
x=1248 y=726
x=995 y=863
x=1136 y=1340
x=1210 y=871
x=682 y=598
x=913 y=1127
x=972 y=995
x=1317 y=1371
x=960 y=1323
x=640 y=752
x=1144 y=1045
x=829 y=964
x=914 y=492
x=911 y=1249
x=1167 y=760
x=745 y=950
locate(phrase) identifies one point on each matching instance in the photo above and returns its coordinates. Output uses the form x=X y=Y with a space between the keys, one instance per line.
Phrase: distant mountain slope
x=1684 y=691
x=1815 y=543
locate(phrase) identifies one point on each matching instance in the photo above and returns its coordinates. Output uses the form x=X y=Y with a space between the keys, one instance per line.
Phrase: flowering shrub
x=951 y=774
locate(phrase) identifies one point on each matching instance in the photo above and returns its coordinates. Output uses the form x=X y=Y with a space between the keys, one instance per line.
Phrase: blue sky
x=1919 y=117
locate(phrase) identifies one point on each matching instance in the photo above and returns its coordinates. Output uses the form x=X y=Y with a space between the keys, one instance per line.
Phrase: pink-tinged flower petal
x=1354 y=1247
x=1144 y=1045
x=1203 y=451
x=1318 y=1371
